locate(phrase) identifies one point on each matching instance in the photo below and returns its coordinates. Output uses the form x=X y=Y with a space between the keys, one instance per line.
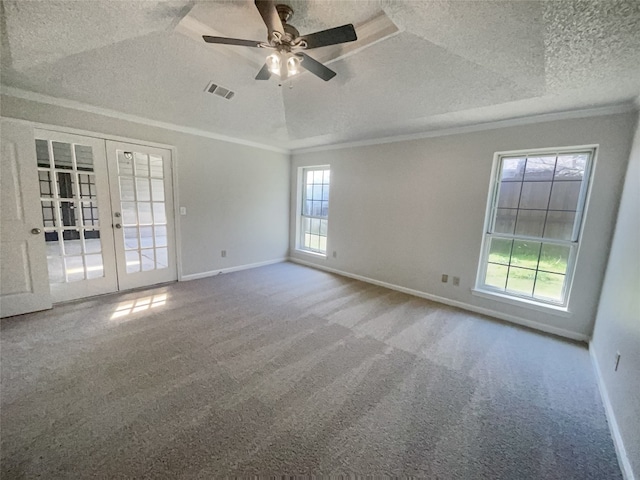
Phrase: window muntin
x=315 y=209
x=534 y=224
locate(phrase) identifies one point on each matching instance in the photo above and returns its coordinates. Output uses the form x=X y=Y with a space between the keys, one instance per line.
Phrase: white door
x=142 y=205
x=75 y=214
x=23 y=268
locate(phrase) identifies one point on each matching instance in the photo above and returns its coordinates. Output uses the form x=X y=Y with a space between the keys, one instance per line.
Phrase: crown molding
x=84 y=107
x=478 y=127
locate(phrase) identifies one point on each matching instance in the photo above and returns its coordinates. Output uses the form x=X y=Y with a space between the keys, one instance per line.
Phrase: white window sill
x=523 y=302
x=312 y=254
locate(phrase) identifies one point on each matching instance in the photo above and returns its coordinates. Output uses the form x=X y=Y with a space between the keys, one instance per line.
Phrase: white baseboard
x=561 y=332
x=623 y=459
x=211 y=273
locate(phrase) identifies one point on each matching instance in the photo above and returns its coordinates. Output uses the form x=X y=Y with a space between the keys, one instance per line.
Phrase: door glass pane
x=144 y=213
x=142 y=164
x=129 y=213
x=74 y=268
x=146 y=237
x=90 y=214
x=157 y=189
x=155 y=163
x=161 y=236
x=125 y=163
x=130 y=238
x=159 y=213
x=162 y=258
x=95 y=268
x=84 y=158
x=56 y=273
x=142 y=190
x=42 y=153
x=133 y=261
x=148 y=260
x=92 y=242
x=62 y=155
x=126 y=189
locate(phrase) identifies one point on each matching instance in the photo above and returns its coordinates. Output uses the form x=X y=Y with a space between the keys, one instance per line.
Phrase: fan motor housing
x=285 y=12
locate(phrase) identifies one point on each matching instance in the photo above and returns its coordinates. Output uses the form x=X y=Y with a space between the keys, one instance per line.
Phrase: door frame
x=135 y=141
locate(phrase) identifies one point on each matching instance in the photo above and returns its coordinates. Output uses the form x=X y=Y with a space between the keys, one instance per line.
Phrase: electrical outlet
x=335 y=254
x=617 y=361
x=445 y=278
x=456 y=281
x=183 y=210
x=223 y=253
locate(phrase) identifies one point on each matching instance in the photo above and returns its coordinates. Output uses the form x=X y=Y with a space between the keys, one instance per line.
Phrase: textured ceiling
x=451 y=63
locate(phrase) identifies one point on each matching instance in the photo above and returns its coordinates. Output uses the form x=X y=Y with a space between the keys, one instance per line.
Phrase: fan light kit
x=289 y=57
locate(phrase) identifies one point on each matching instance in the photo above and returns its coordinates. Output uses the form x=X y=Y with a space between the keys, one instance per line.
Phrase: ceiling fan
x=288 y=44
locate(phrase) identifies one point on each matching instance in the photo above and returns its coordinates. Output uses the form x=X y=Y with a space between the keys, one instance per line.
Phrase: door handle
x=117 y=225
x=36 y=231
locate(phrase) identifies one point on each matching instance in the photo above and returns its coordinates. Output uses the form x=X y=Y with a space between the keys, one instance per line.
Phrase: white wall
x=237 y=197
x=406 y=212
x=618 y=320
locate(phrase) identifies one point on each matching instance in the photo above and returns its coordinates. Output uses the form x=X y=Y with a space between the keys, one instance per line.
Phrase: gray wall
x=237 y=197
x=618 y=320
x=406 y=212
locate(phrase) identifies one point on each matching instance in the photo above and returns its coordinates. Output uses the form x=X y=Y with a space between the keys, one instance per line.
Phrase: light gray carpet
x=288 y=370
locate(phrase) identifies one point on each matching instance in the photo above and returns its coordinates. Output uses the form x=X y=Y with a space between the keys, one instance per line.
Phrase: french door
x=107 y=214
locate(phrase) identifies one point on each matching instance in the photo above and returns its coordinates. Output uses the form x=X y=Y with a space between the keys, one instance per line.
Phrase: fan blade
x=270 y=17
x=264 y=73
x=333 y=36
x=232 y=41
x=317 y=68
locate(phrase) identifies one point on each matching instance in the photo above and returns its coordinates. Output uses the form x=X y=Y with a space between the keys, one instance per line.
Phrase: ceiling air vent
x=220 y=91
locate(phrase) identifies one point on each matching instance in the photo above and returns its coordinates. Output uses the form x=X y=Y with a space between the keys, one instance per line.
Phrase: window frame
x=574 y=243
x=300 y=211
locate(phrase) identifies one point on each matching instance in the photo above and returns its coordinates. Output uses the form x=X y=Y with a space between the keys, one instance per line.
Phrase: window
x=533 y=225
x=315 y=209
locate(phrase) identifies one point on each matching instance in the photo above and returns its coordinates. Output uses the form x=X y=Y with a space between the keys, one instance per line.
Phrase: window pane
x=323 y=227
x=521 y=280
x=317 y=176
x=525 y=254
x=496 y=276
x=540 y=168
x=315 y=226
x=323 y=244
x=505 y=220
x=48 y=214
x=535 y=195
x=549 y=286
x=571 y=167
x=317 y=192
x=66 y=185
x=68 y=214
x=530 y=223
x=71 y=242
x=564 y=195
x=500 y=251
x=512 y=169
x=559 y=225
x=554 y=258
x=90 y=214
x=87 y=186
x=509 y=195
